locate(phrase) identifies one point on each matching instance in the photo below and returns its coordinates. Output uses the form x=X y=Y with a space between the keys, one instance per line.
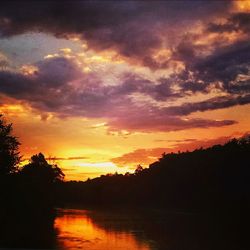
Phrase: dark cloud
x=57 y=71
x=135 y=30
x=194 y=87
x=155 y=119
x=227 y=68
x=80 y=16
x=225 y=64
x=210 y=104
x=45 y=86
x=51 y=89
x=132 y=83
x=236 y=22
x=78 y=94
x=219 y=28
x=15 y=84
x=132 y=28
x=222 y=62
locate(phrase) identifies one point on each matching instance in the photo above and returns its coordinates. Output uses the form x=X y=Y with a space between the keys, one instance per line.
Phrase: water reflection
x=145 y=230
x=125 y=230
x=76 y=229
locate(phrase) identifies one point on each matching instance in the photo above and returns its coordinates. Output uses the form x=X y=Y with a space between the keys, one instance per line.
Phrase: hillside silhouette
x=211 y=179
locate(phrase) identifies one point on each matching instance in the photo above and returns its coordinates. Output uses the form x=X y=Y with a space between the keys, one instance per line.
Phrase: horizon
x=101 y=87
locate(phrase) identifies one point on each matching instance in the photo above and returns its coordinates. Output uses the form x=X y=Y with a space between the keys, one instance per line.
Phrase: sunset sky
x=104 y=86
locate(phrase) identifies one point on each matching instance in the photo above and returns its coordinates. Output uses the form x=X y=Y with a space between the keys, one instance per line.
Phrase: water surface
x=79 y=229
x=125 y=229
x=144 y=230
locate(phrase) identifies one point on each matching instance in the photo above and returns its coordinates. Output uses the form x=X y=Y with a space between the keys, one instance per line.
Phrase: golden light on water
x=76 y=230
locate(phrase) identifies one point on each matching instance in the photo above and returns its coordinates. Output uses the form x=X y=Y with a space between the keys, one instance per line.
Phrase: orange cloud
x=242 y=5
x=147 y=156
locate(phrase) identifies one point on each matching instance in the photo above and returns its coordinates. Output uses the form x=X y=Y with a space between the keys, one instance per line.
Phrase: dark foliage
x=213 y=179
x=9 y=154
x=27 y=196
x=40 y=171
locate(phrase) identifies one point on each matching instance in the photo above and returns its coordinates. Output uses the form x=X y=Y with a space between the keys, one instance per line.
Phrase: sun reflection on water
x=76 y=230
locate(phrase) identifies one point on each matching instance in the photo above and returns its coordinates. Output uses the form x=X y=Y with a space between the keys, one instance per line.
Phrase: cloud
x=56 y=71
x=160 y=90
x=138 y=156
x=216 y=56
x=67 y=158
x=145 y=33
x=4 y=62
x=176 y=140
x=236 y=22
x=226 y=68
x=135 y=29
x=210 y=104
x=225 y=65
x=148 y=156
x=54 y=158
x=74 y=93
x=58 y=85
x=43 y=89
x=159 y=121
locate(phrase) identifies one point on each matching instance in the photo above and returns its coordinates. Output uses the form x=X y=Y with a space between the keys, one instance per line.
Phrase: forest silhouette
x=209 y=180
x=214 y=180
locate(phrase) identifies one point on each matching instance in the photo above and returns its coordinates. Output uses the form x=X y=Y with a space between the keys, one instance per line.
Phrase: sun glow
x=28 y=69
x=98 y=164
x=12 y=109
x=122 y=91
x=243 y=5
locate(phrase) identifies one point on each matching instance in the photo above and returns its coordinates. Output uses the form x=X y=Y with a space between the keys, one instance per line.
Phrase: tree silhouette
x=41 y=171
x=138 y=169
x=9 y=154
x=211 y=179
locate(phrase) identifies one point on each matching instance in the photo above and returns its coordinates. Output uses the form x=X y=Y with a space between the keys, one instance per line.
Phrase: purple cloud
x=136 y=30
x=74 y=93
x=132 y=28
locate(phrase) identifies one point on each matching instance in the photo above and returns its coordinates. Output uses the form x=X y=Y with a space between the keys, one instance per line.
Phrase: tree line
x=211 y=180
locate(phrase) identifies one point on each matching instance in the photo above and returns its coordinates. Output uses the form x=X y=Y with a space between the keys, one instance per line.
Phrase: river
x=92 y=230
x=140 y=230
x=125 y=229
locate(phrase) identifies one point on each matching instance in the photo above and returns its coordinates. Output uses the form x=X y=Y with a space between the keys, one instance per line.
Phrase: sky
x=102 y=86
